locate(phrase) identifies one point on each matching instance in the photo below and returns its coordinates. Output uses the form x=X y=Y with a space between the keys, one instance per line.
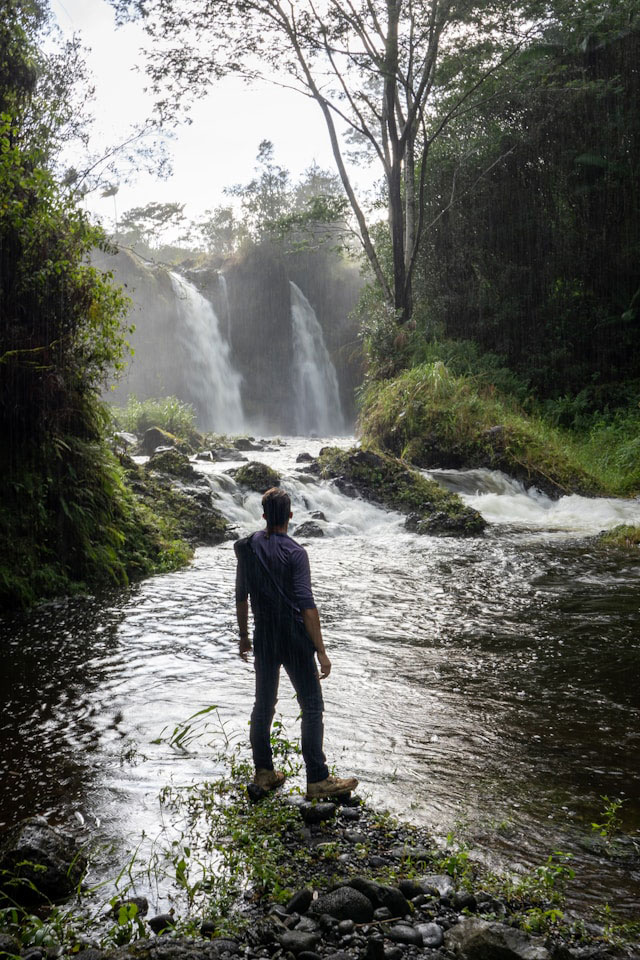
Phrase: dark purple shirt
x=289 y=566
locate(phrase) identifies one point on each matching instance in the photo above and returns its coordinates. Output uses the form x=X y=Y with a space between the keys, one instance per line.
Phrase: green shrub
x=169 y=413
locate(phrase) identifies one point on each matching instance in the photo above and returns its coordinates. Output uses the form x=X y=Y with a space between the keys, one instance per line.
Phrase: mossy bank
x=434 y=419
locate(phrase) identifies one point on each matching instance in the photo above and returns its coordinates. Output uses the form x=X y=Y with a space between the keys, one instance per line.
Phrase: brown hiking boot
x=269 y=779
x=331 y=787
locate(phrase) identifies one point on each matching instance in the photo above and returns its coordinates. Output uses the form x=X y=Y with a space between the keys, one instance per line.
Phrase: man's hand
x=244 y=648
x=325 y=665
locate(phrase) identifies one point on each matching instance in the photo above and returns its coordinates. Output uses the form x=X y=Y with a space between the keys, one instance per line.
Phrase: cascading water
x=214 y=383
x=227 y=305
x=315 y=384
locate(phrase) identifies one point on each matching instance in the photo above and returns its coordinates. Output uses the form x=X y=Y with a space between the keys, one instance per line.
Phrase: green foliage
x=610 y=824
x=169 y=413
x=433 y=418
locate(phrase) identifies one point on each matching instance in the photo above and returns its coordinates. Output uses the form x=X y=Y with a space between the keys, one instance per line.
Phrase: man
x=273 y=570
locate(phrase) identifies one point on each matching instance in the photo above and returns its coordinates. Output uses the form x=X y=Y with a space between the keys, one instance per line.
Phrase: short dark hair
x=276 y=506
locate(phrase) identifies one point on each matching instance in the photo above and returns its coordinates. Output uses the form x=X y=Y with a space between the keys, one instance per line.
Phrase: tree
x=378 y=70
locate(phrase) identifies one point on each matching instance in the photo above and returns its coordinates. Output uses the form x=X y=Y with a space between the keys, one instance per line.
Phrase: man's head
x=276 y=507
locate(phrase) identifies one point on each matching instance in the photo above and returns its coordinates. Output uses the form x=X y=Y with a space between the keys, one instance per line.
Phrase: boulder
x=345 y=903
x=476 y=939
x=156 y=437
x=172 y=462
x=304 y=458
x=308 y=529
x=256 y=476
x=244 y=443
x=39 y=863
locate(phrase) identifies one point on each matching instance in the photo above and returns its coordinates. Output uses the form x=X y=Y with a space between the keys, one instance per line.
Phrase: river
x=488 y=685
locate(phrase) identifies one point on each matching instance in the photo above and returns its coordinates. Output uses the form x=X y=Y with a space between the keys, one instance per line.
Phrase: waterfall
x=227 y=306
x=315 y=384
x=213 y=382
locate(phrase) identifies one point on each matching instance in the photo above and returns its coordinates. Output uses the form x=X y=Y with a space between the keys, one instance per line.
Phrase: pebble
x=404 y=933
x=465 y=901
x=432 y=935
x=393 y=953
x=375 y=949
x=382 y=913
x=346 y=926
x=350 y=813
x=353 y=836
x=161 y=922
x=298 y=941
x=207 y=929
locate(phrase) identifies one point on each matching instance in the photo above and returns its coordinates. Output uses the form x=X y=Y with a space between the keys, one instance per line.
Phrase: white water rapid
x=502 y=500
x=214 y=382
x=315 y=384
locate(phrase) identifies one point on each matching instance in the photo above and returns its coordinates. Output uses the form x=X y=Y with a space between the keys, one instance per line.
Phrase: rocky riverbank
x=344 y=883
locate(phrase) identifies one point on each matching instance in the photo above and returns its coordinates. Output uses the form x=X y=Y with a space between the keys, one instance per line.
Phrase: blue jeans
x=287 y=644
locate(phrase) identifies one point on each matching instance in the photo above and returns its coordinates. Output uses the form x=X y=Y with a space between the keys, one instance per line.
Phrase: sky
x=218 y=149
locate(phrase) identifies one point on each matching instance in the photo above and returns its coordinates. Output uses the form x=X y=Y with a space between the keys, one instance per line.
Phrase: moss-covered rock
x=173 y=463
x=257 y=476
x=385 y=480
x=185 y=508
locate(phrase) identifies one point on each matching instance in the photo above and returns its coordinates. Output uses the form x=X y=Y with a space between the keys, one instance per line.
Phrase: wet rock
x=300 y=901
x=490 y=904
x=141 y=904
x=205 y=455
x=244 y=443
x=304 y=457
x=353 y=836
x=208 y=929
x=395 y=901
x=345 y=927
x=318 y=515
x=172 y=462
x=410 y=888
x=371 y=890
x=464 y=901
x=8 y=944
x=375 y=948
x=393 y=953
x=220 y=946
x=345 y=903
x=406 y=852
x=155 y=437
x=317 y=812
x=39 y=863
x=256 y=476
x=227 y=453
x=476 y=939
x=125 y=440
x=465 y=523
x=382 y=913
x=405 y=933
x=308 y=529
x=308 y=955
x=440 y=882
x=162 y=922
x=298 y=940
x=350 y=813
x=432 y=935
x=375 y=862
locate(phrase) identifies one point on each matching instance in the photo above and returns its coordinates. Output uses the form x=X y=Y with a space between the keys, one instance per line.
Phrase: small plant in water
x=610 y=822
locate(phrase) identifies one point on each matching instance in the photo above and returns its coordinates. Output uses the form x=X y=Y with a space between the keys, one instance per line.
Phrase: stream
x=488 y=686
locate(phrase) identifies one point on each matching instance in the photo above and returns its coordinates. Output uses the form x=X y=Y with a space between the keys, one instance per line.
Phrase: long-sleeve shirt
x=288 y=565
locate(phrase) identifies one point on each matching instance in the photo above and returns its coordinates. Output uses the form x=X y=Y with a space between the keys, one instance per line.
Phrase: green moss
x=173 y=462
x=257 y=476
x=435 y=419
x=386 y=480
x=625 y=536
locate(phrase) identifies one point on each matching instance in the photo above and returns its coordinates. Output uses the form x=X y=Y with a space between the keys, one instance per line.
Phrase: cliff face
x=251 y=298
